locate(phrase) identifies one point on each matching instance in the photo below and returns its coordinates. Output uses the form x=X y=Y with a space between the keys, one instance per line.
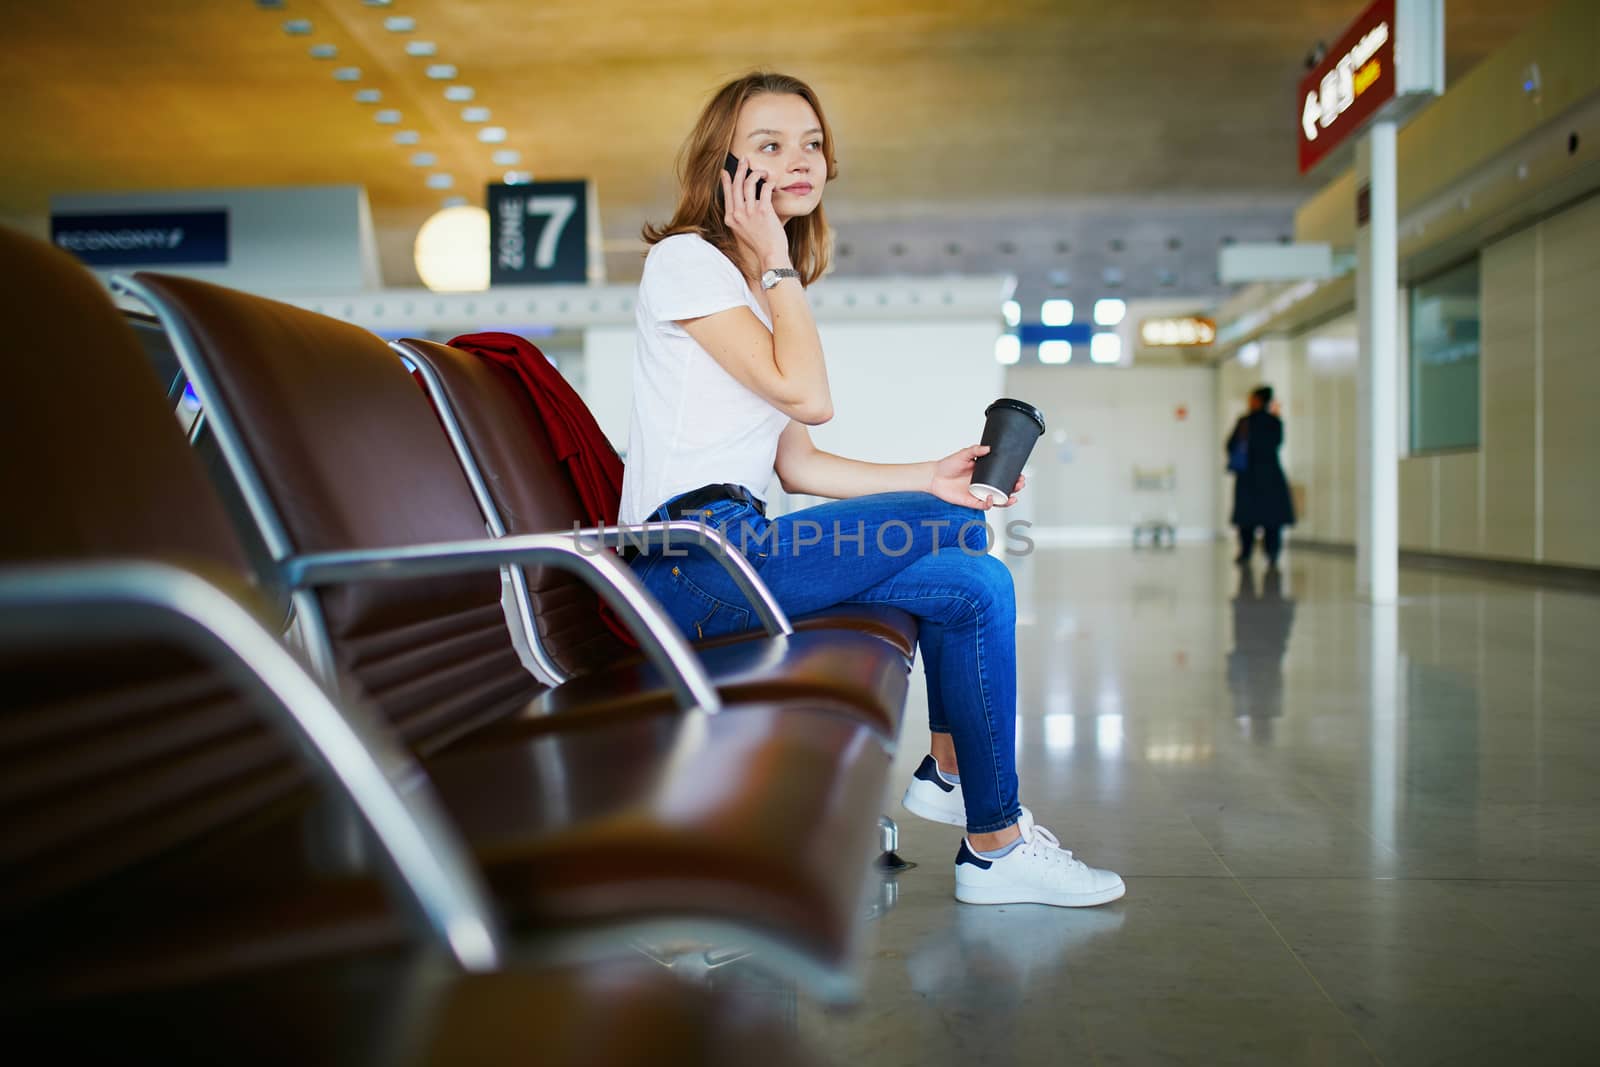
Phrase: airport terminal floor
x=1331 y=856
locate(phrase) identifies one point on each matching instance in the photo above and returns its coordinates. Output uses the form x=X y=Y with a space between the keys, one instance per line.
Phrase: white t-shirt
x=693 y=423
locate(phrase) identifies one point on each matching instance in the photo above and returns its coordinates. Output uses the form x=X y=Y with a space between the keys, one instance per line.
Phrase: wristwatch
x=776 y=275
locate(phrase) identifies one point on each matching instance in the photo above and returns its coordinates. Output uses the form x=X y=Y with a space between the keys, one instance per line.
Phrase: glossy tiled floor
x=1349 y=834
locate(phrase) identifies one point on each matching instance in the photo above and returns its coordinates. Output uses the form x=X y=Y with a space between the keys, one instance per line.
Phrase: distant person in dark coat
x=1260 y=492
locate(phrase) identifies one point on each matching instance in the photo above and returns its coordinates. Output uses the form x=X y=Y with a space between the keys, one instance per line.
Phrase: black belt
x=697 y=500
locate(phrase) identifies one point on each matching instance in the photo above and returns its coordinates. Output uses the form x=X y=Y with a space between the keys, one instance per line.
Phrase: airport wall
x=1526 y=492
x=1105 y=422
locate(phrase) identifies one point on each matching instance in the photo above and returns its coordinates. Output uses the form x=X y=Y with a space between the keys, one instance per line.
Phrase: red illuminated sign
x=1353 y=81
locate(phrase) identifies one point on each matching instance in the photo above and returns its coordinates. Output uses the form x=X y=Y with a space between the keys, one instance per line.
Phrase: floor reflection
x=1409 y=872
x=1262 y=619
x=985 y=947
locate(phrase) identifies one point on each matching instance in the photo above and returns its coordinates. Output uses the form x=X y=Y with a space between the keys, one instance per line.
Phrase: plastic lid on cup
x=1018 y=405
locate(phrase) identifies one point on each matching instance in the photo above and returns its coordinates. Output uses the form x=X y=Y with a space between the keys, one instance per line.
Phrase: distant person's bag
x=1239 y=449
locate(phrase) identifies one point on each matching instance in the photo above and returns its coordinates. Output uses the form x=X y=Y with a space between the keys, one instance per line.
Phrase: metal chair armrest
x=658 y=636
x=348 y=747
x=680 y=532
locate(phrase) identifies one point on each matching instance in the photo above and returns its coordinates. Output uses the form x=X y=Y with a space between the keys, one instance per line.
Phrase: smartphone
x=732 y=164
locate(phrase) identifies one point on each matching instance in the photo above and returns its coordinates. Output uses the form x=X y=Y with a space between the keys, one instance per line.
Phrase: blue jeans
x=911 y=551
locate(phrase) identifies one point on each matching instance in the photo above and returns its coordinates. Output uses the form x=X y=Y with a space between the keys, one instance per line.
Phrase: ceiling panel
x=946 y=114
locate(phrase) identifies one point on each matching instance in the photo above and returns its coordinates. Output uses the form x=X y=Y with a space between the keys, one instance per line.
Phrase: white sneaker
x=1038 y=871
x=934 y=797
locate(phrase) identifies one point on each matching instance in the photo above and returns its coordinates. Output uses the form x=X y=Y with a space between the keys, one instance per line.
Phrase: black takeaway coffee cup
x=1013 y=428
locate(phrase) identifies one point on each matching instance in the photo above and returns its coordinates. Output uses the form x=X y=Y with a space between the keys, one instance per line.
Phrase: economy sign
x=1355 y=79
x=145 y=238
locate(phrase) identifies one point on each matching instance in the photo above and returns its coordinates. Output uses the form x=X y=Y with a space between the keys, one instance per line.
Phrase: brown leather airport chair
x=756 y=823
x=398 y=1013
x=520 y=486
x=383 y=478
x=147 y=704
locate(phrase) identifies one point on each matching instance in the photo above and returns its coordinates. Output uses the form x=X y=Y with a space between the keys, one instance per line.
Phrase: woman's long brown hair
x=700 y=207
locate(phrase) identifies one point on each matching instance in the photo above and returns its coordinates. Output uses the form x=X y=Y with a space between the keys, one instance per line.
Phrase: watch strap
x=777 y=274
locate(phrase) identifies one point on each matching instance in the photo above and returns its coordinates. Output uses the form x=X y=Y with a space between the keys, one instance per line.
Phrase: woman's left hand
x=953 y=474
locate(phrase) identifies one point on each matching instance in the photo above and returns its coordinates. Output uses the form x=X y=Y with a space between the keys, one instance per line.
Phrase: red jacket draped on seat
x=575 y=436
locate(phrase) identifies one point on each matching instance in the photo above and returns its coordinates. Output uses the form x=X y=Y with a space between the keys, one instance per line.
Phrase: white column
x=1377 y=443
x=1387 y=721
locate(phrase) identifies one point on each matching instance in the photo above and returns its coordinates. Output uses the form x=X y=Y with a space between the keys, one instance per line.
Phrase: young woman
x=728 y=374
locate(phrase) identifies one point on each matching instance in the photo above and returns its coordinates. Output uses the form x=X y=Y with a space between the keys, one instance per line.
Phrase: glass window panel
x=1444 y=360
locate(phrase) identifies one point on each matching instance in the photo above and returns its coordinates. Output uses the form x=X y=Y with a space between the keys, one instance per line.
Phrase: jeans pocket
x=698 y=613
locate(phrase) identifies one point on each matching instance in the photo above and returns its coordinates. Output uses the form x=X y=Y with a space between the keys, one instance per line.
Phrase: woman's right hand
x=751 y=217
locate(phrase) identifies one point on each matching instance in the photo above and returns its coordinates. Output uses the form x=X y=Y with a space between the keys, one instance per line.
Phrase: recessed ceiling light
x=323 y=51
x=440 y=181
x=455 y=201
x=399 y=23
x=507 y=157
x=459 y=94
x=297 y=27
x=1055 y=352
x=1105 y=348
x=518 y=177
x=421 y=48
x=377 y=3
x=368 y=96
x=407 y=137
x=347 y=74
x=387 y=117
x=270 y=5
x=1056 y=312
x=424 y=159
x=442 y=72
x=1109 y=311
x=492 y=134
x=475 y=114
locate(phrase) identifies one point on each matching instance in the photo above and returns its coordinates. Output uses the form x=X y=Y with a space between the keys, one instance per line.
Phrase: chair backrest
x=338 y=449
x=164 y=361
x=110 y=759
x=156 y=349
x=530 y=491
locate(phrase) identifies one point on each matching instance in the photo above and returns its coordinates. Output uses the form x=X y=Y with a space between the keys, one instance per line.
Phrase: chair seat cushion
x=897 y=627
x=761 y=816
x=854 y=672
x=759 y=821
x=886 y=623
